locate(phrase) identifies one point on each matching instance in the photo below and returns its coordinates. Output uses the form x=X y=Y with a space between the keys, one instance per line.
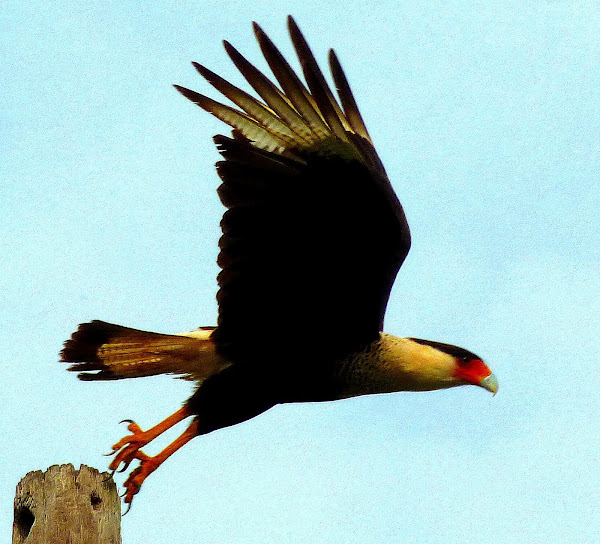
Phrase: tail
x=118 y=352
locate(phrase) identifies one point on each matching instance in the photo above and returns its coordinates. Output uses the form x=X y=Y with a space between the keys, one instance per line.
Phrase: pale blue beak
x=490 y=383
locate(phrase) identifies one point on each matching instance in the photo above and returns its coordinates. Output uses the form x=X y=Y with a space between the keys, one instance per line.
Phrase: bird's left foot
x=137 y=476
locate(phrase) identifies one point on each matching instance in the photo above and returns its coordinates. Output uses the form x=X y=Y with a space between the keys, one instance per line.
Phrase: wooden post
x=67 y=506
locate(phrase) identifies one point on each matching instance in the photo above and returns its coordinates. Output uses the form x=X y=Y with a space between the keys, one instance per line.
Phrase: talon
x=110 y=476
x=128 y=508
x=131 y=426
x=125 y=467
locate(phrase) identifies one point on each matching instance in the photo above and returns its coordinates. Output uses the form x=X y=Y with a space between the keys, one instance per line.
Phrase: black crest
x=460 y=353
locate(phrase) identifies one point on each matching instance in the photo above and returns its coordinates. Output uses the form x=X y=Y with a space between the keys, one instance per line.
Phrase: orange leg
x=149 y=464
x=129 y=448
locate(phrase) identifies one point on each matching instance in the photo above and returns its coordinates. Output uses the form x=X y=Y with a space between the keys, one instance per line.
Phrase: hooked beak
x=490 y=383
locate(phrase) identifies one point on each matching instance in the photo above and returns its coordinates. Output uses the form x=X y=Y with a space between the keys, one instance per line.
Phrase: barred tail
x=118 y=352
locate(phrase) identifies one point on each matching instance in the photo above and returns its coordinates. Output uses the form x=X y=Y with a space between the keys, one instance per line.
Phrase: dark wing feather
x=294 y=90
x=317 y=84
x=313 y=235
x=347 y=98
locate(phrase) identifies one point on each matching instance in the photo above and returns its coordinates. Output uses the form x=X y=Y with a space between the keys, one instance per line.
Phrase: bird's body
x=313 y=238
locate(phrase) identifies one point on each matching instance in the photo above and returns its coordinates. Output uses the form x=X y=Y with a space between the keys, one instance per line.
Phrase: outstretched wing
x=313 y=235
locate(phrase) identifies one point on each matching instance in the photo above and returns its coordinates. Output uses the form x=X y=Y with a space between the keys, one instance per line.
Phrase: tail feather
x=116 y=352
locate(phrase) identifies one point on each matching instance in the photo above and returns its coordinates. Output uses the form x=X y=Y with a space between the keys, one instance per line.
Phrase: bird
x=313 y=236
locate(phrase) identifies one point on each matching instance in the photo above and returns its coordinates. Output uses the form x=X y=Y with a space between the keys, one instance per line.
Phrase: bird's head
x=466 y=368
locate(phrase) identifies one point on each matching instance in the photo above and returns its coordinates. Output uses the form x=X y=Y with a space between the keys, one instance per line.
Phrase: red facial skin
x=472 y=371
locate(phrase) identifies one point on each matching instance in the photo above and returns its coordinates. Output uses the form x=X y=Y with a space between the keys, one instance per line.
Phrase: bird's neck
x=395 y=364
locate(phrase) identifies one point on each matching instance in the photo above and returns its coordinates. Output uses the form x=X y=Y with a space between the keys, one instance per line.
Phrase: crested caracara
x=312 y=239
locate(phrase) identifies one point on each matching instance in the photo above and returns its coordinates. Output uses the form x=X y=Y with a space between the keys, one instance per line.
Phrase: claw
x=125 y=467
x=110 y=476
x=128 y=508
x=126 y=421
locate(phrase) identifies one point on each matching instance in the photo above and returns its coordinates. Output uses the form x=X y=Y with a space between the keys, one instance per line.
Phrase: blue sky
x=486 y=116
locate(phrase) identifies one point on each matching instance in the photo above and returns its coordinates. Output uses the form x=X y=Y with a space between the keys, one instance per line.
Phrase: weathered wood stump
x=67 y=506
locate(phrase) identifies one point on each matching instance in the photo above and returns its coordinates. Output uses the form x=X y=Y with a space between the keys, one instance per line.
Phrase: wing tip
x=291 y=24
x=199 y=99
x=298 y=116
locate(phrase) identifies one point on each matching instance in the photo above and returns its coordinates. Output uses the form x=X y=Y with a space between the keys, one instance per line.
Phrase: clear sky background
x=487 y=118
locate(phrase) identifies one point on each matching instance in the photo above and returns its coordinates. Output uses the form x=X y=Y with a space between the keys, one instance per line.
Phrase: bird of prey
x=312 y=239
